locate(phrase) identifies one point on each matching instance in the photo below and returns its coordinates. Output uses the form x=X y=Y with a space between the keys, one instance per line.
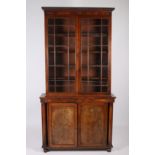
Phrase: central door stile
x=78 y=55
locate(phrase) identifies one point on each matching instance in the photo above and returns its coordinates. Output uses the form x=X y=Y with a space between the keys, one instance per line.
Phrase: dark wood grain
x=93 y=125
x=62 y=125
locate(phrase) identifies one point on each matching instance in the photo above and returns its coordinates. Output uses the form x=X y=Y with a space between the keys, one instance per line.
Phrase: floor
x=120 y=143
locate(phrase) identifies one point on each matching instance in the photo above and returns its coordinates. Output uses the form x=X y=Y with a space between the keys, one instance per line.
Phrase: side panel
x=44 y=124
x=62 y=125
x=110 y=124
x=93 y=125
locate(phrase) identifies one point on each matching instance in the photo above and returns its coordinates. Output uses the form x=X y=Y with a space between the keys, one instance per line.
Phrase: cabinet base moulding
x=47 y=149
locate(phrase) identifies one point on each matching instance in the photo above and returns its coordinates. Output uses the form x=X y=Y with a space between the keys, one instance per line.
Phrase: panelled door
x=62 y=121
x=93 y=125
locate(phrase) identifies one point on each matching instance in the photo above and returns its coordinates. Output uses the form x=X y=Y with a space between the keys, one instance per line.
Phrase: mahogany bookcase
x=77 y=108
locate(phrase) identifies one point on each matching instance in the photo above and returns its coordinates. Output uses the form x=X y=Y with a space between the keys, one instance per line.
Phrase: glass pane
x=94 y=55
x=61 y=54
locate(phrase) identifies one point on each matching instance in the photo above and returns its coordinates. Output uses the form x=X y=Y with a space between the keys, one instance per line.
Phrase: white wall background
x=36 y=57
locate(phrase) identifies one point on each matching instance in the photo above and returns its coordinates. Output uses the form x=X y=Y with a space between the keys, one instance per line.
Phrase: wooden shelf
x=93 y=85
x=93 y=34
x=63 y=52
x=64 y=35
x=56 y=80
x=66 y=85
x=62 y=65
x=62 y=25
x=85 y=66
x=94 y=78
x=95 y=52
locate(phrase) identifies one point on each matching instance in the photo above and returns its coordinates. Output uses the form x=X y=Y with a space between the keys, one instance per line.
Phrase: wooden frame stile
x=110 y=105
x=46 y=50
x=44 y=122
x=109 y=54
x=110 y=120
x=78 y=63
x=78 y=102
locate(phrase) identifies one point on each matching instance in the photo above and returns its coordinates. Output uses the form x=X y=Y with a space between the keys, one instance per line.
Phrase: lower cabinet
x=72 y=125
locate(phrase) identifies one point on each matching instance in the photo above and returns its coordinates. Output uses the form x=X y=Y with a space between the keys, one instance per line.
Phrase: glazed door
x=62 y=125
x=61 y=54
x=95 y=47
x=93 y=122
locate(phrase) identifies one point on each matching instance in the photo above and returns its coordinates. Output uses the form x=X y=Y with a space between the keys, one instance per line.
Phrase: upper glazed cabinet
x=78 y=51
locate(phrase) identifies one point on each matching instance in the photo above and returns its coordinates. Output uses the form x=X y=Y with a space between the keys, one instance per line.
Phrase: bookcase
x=77 y=108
